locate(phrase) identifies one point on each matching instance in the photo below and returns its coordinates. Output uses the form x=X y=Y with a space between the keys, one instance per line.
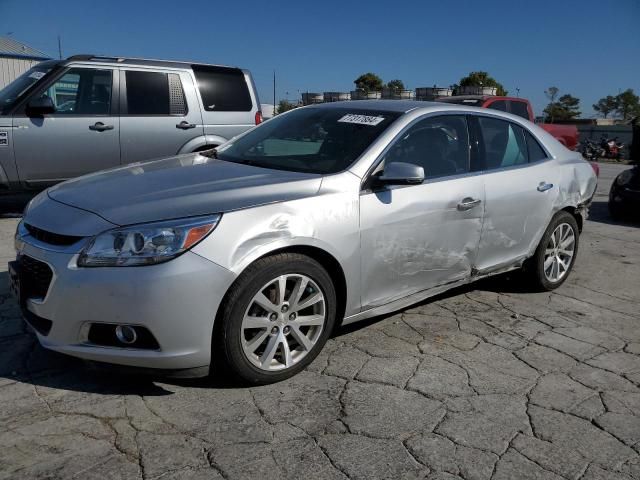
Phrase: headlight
x=624 y=177
x=146 y=244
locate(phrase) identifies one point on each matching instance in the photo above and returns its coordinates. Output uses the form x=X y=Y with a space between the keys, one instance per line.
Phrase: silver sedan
x=248 y=256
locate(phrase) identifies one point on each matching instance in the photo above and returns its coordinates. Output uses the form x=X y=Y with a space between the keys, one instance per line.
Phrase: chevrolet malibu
x=248 y=256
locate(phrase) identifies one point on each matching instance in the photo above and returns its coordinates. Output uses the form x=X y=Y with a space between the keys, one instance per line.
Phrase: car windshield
x=313 y=140
x=12 y=92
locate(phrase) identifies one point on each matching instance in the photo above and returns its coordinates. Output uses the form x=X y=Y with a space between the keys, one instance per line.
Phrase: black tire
x=535 y=265
x=616 y=211
x=227 y=335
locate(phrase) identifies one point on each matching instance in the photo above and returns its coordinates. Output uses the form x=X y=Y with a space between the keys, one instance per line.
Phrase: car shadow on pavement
x=599 y=212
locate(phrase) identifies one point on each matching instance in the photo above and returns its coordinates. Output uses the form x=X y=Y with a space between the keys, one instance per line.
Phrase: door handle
x=100 y=127
x=184 y=125
x=468 y=203
x=544 y=186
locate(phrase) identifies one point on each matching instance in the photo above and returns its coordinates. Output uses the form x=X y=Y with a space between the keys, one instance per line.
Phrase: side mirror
x=40 y=106
x=401 y=173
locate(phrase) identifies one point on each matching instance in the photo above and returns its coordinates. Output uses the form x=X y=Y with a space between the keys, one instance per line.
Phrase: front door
x=417 y=237
x=159 y=114
x=81 y=136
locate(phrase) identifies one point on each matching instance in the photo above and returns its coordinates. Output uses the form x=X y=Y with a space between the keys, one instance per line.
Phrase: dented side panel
x=327 y=221
x=415 y=238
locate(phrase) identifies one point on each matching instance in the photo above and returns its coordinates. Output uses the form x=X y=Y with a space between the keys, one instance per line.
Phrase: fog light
x=126 y=334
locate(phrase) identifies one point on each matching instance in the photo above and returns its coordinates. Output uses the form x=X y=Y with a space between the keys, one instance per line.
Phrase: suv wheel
x=551 y=264
x=277 y=317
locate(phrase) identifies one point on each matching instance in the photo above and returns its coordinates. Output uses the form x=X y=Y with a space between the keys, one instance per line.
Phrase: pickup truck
x=565 y=134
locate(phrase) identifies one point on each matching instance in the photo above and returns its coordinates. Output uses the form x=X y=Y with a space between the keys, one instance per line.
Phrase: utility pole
x=274 y=91
x=59 y=48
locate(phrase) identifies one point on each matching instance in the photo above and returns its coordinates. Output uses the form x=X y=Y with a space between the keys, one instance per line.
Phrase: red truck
x=565 y=134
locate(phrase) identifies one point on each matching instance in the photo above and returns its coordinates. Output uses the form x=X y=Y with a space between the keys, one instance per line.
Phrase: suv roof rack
x=84 y=57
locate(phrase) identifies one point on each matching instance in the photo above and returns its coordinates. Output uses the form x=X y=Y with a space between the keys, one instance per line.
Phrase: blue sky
x=589 y=48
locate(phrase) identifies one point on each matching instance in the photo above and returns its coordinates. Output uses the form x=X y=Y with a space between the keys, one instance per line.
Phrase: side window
x=82 y=92
x=498 y=105
x=223 y=89
x=520 y=109
x=440 y=145
x=154 y=93
x=536 y=153
x=503 y=143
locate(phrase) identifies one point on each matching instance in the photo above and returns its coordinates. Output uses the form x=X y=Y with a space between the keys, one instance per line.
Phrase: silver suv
x=62 y=119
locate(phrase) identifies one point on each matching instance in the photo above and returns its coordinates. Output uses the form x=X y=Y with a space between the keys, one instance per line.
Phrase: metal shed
x=16 y=58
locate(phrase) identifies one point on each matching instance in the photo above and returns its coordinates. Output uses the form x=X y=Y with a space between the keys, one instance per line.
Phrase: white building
x=15 y=59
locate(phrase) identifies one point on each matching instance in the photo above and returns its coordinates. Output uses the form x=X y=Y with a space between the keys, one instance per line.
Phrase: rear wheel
x=554 y=258
x=277 y=317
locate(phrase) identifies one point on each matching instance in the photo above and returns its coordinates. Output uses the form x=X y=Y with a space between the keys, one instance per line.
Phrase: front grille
x=35 y=277
x=50 y=237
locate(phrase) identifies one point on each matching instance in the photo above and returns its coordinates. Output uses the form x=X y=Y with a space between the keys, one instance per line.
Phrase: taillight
x=596 y=168
x=258 y=117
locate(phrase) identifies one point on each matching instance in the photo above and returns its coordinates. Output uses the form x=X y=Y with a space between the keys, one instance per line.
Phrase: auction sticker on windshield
x=361 y=119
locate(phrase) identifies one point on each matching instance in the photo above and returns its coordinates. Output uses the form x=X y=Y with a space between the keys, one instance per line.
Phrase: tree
x=628 y=104
x=552 y=93
x=606 y=105
x=482 y=79
x=369 y=82
x=285 y=106
x=566 y=108
x=395 y=85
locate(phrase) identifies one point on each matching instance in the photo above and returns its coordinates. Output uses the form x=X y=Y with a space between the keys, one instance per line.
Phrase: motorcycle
x=592 y=151
x=611 y=148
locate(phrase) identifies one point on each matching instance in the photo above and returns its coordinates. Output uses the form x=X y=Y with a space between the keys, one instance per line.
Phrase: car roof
x=402 y=106
x=143 y=62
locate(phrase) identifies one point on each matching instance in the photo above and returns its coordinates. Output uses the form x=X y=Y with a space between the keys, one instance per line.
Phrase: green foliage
x=395 y=85
x=368 y=82
x=482 y=79
x=285 y=106
x=566 y=108
x=606 y=105
x=628 y=104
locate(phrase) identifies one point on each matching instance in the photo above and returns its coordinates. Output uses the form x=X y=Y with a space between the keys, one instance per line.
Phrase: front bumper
x=176 y=301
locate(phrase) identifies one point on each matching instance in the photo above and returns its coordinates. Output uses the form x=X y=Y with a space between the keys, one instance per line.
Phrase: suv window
x=536 y=152
x=520 y=109
x=498 y=105
x=223 y=89
x=82 y=91
x=155 y=93
x=440 y=145
x=503 y=143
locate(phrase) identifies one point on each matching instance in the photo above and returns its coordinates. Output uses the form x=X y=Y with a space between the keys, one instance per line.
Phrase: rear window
x=536 y=152
x=223 y=89
x=155 y=93
x=147 y=93
x=314 y=140
x=500 y=105
x=520 y=109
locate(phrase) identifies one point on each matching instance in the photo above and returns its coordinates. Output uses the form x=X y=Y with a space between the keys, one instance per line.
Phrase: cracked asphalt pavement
x=487 y=381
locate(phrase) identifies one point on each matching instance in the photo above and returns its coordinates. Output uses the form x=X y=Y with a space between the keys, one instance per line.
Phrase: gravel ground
x=484 y=382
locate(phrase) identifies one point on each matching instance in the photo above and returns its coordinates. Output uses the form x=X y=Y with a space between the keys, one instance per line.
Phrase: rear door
x=159 y=113
x=81 y=136
x=519 y=191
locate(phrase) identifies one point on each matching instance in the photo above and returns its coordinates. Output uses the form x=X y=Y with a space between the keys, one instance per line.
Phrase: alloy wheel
x=559 y=252
x=283 y=322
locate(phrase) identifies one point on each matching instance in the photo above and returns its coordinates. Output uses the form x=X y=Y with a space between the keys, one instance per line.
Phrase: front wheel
x=551 y=264
x=276 y=318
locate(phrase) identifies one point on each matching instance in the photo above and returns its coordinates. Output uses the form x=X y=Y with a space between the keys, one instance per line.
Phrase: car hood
x=182 y=186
